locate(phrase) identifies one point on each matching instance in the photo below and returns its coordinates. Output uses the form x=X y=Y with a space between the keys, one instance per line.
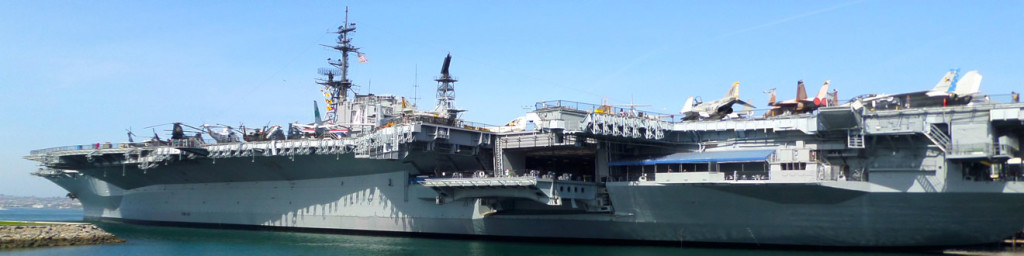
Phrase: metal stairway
x=499 y=154
x=938 y=136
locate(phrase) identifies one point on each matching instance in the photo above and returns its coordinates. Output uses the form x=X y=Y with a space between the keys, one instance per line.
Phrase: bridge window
x=793 y=166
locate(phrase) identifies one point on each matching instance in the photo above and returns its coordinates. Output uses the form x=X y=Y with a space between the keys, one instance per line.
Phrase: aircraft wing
x=936 y=93
x=878 y=97
x=307 y=126
x=744 y=103
x=787 y=103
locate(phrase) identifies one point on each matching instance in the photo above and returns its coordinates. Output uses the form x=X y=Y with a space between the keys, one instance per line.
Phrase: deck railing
x=595 y=108
x=93 y=146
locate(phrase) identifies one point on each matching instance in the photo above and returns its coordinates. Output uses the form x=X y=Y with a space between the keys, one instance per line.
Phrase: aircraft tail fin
x=688 y=106
x=968 y=84
x=316 y=114
x=734 y=91
x=771 y=97
x=820 y=99
x=801 y=92
x=945 y=84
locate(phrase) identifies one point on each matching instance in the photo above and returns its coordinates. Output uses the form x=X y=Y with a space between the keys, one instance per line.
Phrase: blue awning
x=705 y=157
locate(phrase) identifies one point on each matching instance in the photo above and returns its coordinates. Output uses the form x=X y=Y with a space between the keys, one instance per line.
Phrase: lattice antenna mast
x=416 y=87
x=336 y=91
x=446 y=91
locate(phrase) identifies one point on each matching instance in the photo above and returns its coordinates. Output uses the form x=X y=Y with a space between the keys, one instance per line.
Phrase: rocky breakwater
x=33 y=235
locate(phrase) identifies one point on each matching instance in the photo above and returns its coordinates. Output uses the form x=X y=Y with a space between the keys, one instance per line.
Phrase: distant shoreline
x=53 y=208
x=34 y=202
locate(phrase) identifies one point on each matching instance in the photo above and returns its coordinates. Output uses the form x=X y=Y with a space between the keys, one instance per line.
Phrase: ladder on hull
x=854 y=139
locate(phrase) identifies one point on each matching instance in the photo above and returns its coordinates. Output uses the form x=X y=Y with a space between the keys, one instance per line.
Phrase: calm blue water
x=41 y=214
x=147 y=240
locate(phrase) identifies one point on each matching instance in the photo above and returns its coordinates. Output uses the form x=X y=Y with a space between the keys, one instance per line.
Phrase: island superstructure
x=851 y=175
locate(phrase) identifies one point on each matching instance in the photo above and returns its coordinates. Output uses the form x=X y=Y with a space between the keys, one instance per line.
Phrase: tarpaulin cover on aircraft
x=705 y=157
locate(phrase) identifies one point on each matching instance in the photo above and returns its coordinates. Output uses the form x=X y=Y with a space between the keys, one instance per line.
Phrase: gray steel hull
x=812 y=214
x=756 y=214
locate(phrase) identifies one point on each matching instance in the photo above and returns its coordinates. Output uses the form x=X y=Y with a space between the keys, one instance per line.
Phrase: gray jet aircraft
x=713 y=110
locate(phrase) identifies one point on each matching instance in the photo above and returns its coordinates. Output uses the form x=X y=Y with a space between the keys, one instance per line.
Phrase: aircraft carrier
x=878 y=172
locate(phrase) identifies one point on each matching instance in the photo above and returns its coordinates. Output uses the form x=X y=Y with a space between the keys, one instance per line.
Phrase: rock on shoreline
x=35 y=235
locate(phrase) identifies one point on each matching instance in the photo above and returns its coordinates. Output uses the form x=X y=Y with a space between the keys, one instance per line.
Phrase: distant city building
x=9 y=201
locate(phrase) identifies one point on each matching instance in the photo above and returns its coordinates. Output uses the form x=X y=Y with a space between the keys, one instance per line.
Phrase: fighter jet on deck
x=713 y=110
x=319 y=128
x=799 y=105
x=952 y=90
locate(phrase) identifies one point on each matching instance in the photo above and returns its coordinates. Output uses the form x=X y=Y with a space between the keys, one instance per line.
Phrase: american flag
x=362 y=58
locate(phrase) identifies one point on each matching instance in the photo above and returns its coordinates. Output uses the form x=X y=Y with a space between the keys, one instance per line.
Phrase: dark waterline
x=152 y=240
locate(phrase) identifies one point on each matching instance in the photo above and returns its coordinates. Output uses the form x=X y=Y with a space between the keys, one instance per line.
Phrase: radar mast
x=446 y=92
x=336 y=91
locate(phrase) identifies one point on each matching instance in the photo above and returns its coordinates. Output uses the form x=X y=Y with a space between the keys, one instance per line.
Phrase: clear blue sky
x=77 y=72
